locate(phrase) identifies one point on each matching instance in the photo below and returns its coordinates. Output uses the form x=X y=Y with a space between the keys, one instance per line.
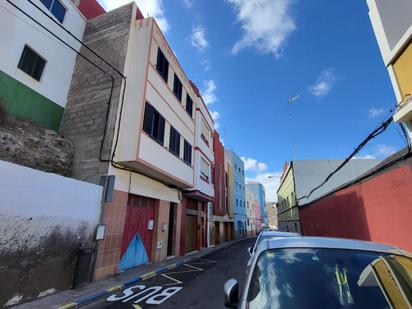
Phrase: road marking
x=175 y=281
x=148 y=275
x=137 y=307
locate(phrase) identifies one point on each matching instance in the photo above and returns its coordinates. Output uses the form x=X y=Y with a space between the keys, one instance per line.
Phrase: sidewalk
x=98 y=289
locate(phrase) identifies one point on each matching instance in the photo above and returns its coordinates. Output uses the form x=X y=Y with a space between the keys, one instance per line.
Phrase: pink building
x=258 y=216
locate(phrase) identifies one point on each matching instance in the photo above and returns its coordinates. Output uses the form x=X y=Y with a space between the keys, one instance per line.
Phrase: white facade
x=17 y=30
x=137 y=149
x=35 y=203
x=392 y=24
x=204 y=155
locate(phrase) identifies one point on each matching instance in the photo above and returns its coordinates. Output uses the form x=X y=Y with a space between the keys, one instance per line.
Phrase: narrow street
x=197 y=284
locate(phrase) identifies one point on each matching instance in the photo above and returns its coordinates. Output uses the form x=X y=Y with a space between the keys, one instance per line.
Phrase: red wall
x=378 y=209
x=219 y=150
x=91 y=8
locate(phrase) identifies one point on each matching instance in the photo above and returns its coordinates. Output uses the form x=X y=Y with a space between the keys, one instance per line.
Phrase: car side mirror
x=249 y=250
x=231 y=290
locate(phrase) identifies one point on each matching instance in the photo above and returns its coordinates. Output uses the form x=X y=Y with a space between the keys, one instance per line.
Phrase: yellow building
x=288 y=213
x=392 y=24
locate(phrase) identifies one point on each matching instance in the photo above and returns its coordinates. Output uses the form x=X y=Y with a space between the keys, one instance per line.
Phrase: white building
x=35 y=67
x=392 y=24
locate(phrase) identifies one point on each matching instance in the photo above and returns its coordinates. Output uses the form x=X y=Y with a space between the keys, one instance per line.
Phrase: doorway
x=171 y=229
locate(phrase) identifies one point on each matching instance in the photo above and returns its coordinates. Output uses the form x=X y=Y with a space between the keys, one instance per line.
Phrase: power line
x=371 y=136
x=111 y=159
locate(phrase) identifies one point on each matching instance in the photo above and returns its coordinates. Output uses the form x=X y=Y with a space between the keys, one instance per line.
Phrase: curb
x=93 y=297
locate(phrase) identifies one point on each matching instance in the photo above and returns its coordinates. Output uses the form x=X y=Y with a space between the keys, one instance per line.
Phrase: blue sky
x=249 y=56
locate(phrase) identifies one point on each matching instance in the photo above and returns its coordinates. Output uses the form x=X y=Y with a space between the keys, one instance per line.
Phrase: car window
x=330 y=278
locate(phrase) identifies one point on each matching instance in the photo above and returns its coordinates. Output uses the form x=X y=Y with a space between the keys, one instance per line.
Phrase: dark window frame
x=189 y=105
x=174 y=143
x=162 y=65
x=156 y=128
x=187 y=152
x=34 y=70
x=177 y=87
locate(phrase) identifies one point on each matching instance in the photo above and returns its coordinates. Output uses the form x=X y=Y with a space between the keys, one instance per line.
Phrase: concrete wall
x=377 y=209
x=85 y=114
x=44 y=218
x=308 y=173
x=396 y=19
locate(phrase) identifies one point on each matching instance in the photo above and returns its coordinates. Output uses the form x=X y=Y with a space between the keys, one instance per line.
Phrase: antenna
x=292 y=138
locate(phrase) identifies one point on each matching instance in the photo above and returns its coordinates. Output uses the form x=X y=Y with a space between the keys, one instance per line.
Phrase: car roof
x=327 y=242
x=279 y=234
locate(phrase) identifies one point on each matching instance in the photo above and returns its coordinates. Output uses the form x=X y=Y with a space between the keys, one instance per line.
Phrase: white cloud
x=215 y=115
x=153 y=8
x=324 y=83
x=366 y=156
x=381 y=151
x=198 y=38
x=254 y=165
x=384 y=151
x=188 y=3
x=271 y=183
x=206 y=65
x=208 y=93
x=266 y=24
x=375 y=112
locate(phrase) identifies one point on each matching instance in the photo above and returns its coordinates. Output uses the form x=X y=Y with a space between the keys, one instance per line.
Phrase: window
x=174 y=142
x=177 y=88
x=31 y=63
x=237 y=202
x=162 y=65
x=189 y=105
x=187 y=153
x=154 y=123
x=56 y=8
x=204 y=170
x=205 y=133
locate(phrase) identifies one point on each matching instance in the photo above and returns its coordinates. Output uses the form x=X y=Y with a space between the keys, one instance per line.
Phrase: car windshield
x=330 y=278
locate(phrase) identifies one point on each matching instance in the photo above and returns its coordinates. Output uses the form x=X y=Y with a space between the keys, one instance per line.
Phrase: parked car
x=320 y=272
x=265 y=235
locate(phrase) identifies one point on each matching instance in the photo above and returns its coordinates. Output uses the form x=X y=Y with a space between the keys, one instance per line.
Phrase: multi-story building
x=272 y=214
x=258 y=219
x=133 y=120
x=392 y=24
x=36 y=68
x=236 y=179
x=251 y=213
x=221 y=224
x=195 y=228
x=259 y=192
x=301 y=176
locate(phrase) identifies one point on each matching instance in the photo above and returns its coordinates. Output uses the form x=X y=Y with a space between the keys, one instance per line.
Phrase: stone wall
x=85 y=114
x=26 y=143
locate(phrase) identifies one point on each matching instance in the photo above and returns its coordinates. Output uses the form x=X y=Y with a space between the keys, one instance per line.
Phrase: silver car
x=320 y=272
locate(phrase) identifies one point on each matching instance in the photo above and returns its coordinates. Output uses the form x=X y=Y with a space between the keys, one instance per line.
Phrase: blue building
x=258 y=190
x=239 y=192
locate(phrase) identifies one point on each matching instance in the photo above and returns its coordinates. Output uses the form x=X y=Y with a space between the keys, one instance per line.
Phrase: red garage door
x=138 y=232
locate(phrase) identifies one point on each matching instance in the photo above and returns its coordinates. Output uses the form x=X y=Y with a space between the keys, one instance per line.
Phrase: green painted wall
x=22 y=101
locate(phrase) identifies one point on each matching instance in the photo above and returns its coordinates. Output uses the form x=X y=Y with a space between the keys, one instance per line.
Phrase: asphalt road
x=197 y=284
